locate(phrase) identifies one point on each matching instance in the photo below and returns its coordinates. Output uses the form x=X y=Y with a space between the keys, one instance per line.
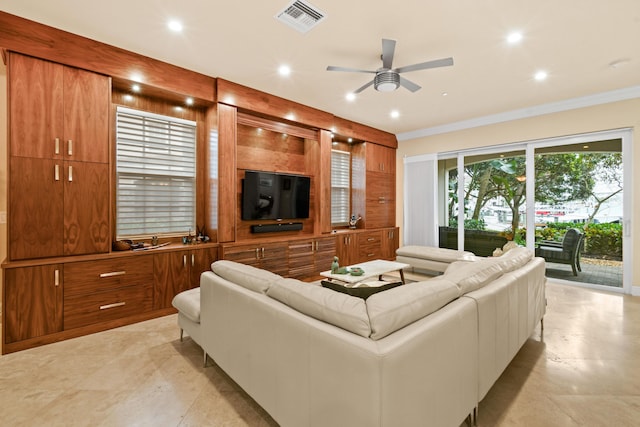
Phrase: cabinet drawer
x=88 y=277
x=82 y=310
x=370 y=252
x=370 y=238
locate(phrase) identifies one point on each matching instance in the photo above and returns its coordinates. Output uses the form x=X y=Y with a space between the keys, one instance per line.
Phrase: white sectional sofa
x=421 y=354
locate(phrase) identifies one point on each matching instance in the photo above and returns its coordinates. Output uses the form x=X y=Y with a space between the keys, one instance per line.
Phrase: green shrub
x=604 y=240
x=469 y=224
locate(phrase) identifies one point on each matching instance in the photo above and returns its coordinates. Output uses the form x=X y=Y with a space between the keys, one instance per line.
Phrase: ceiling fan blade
x=388 y=50
x=445 y=62
x=363 y=87
x=350 y=70
x=408 y=84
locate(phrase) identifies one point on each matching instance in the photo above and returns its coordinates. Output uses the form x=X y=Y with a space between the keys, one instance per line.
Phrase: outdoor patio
x=594 y=271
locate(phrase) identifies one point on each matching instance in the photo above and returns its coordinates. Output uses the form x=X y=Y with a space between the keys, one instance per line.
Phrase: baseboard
x=635 y=291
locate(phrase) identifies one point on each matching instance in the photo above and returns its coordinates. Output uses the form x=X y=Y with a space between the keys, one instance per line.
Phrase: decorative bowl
x=356 y=271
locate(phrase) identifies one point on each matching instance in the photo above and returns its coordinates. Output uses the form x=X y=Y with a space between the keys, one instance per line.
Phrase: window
x=340 y=187
x=155 y=174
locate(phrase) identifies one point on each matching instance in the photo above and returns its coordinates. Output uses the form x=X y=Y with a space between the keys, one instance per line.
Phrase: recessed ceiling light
x=136 y=77
x=540 y=75
x=175 y=25
x=188 y=101
x=135 y=88
x=350 y=140
x=178 y=108
x=350 y=96
x=395 y=114
x=445 y=93
x=514 y=37
x=284 y=70
x=290 y=116
x=128 y=98
x=619 y=63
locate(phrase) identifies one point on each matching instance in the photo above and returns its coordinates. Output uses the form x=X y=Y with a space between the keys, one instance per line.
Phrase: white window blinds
x=155 y=174
x=340 y=187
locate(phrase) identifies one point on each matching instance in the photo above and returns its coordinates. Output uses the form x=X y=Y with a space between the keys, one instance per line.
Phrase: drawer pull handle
x=113 y=273
x=371 y=239
x=370 y=255
x=115 y=304
x=70 y=148
x=56 y=173
x=57 y=146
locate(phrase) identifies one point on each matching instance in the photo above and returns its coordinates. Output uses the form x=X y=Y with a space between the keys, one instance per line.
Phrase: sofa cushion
x=249 y=277
x=188 y=304
x=433 y=253
x=394 y=309
x=338 y=309
x=514 y=259
x=470 y=276
x=363 y=292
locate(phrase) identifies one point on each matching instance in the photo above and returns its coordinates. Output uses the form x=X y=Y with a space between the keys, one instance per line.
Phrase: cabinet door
x=33 y=302
x=35 y=107
x=301 y=257
x=380 y=200
x=244 y=254
x=201 y=260
x=35 y=208
x=380 y=158
x=86 y=208
x=325 y=250
x=171 y=275
x=87 y=98
x=390 y=243
x=274 y=257
x=347 y=249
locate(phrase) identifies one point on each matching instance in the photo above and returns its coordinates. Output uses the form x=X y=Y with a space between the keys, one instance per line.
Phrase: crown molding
x=523 y=113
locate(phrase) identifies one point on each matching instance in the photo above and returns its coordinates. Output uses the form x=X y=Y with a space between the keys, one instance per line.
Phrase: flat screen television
x=269 y=195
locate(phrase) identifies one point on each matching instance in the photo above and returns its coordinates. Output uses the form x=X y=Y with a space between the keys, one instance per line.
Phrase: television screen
x=268 y=195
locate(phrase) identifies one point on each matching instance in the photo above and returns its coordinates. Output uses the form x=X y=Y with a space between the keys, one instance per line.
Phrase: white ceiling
x=575 y=41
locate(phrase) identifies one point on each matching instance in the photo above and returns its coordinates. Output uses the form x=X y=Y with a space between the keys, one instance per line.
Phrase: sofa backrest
x=252 y=278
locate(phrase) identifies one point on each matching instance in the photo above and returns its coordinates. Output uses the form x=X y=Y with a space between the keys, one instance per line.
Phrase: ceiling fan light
x=386 y=81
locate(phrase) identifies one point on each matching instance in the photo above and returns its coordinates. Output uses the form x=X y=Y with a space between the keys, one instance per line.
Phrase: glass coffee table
x=375 y=268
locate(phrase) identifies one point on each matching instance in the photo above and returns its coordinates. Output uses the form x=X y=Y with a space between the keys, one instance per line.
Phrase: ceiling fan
x=388 y=79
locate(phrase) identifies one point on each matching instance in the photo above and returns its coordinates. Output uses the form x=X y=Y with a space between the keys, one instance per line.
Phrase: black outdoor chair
x=565 y=252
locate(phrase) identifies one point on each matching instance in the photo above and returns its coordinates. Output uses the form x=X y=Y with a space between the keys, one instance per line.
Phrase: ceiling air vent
x=300 y=15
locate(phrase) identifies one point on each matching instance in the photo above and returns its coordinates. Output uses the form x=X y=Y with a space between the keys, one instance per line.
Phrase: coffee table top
x=371 y=269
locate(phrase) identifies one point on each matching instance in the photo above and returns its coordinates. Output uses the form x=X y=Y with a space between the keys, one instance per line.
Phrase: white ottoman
x=431 y=258
x=188 y=305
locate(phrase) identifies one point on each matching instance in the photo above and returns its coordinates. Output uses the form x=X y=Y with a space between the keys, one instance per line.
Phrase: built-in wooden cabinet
x=390 y=241
x=347 y=248
x=33 y=302
x=174 y=272
x=59 y=162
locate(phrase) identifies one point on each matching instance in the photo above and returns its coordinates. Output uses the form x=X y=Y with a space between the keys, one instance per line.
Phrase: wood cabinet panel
x=201 y=260
x=269 y=256
x=380 y=159
x=380 y=200
x=35 y=208
x=35 y=107
x=171 y=275
x=86 y=208
x=308 y=257
x=369 y=246
x=87 y=100
x=33 y=302
x=390 y=243
x=347 y=248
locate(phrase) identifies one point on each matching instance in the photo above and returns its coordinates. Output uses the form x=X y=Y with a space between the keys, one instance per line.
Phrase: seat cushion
x=396 y=308
x=249 y=277
x=338 y=309
x=470 y=276
x=433 y=253
x=188 y=303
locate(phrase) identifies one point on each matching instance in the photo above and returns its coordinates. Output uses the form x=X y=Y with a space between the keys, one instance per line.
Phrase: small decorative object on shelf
x=334 y=265
x=354 y=221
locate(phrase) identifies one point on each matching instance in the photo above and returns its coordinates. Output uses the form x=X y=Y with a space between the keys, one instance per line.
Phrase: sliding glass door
x=531 y=194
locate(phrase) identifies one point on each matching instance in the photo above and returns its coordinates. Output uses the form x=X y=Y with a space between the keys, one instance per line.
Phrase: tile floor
x=583 y=371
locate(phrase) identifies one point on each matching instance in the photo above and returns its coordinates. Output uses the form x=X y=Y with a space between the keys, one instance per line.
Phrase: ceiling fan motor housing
x=386 y=81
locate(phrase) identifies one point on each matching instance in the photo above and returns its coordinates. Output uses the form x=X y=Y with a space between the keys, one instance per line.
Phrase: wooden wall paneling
x=323 y=183
x=210 y=177
x=265 y=150
x=227 y=174
x=253 y=100
x=358 y=183
x=362 y=132
x=31 y=38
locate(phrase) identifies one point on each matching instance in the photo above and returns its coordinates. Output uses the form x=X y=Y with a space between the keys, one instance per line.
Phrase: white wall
x=615 y=115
